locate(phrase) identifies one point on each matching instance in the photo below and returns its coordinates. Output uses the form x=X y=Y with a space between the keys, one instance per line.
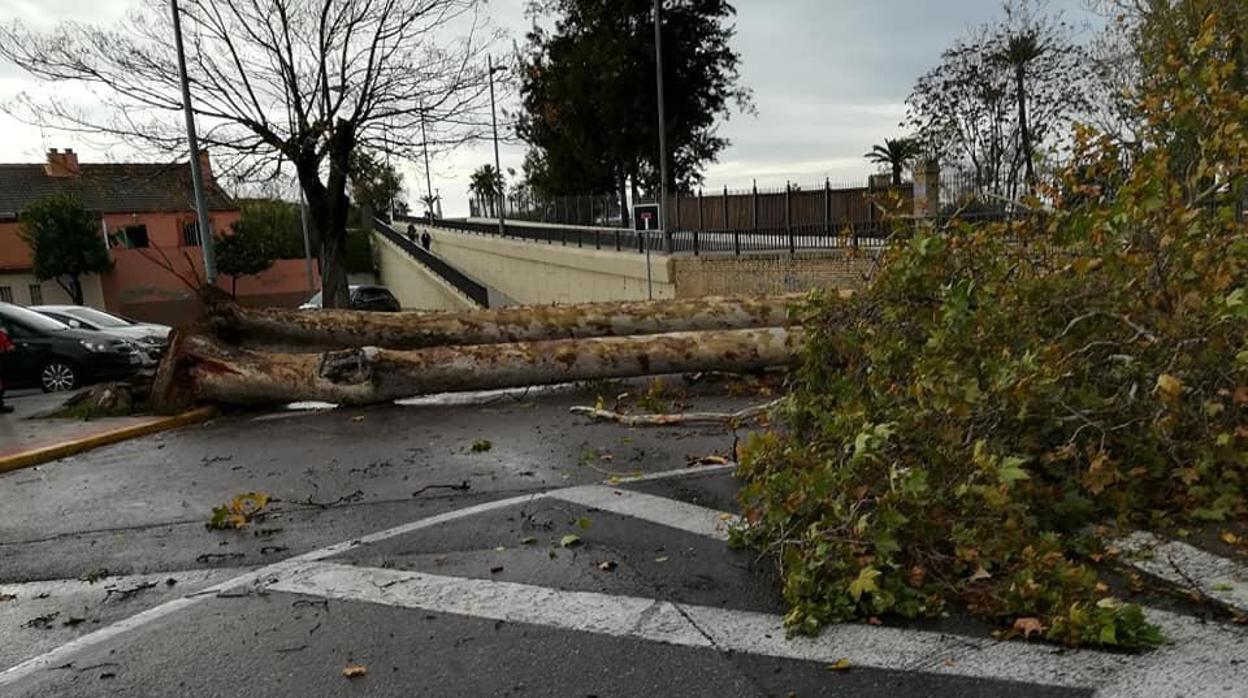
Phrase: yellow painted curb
x=70 y=448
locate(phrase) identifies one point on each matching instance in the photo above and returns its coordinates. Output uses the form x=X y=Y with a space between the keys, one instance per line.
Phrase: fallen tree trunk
x=294 y=331
x=198 y=368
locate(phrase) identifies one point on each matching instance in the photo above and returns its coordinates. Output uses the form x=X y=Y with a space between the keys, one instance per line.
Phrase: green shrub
x=955 y=433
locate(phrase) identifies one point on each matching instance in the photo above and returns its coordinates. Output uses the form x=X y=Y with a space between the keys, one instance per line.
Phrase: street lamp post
x=424 y=140
x=658 y=63
x=197 y=174
x=498 y=168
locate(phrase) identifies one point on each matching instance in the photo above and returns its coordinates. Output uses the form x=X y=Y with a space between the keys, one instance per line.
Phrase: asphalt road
x=538 y=566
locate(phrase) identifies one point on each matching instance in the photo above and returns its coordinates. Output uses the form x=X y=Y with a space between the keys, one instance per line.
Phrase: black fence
x=448 y=273
x=794 y=239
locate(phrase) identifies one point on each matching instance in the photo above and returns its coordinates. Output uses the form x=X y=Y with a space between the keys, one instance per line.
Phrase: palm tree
x=895 y=153
x=486 y=184
x=1020 y=52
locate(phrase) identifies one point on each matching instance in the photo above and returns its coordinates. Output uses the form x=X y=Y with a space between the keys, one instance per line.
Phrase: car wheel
x=58 y=376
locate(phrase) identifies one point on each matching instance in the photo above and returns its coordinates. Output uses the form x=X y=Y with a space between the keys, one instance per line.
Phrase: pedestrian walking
x=411 y=233
x=6 y=346
x=426 y=240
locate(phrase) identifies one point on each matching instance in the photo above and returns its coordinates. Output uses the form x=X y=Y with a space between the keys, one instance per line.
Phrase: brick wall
x=769 y=273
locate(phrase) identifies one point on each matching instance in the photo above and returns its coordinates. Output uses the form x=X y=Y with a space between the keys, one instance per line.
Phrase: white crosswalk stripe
x=1186 y=565
x=647 y=507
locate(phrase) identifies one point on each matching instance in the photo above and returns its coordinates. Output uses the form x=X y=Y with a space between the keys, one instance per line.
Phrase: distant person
x=6 y=346
x=411 y=234
x=426 y=240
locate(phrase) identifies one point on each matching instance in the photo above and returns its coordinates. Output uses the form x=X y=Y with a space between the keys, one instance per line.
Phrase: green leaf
x=584 y=523
x=1012 y=470
x=569 y=540
x=865 y=583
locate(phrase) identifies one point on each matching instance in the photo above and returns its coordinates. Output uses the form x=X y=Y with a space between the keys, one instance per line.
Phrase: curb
x=70 y=448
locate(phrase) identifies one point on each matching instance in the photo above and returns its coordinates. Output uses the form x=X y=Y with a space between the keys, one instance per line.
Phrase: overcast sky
x=830 y=78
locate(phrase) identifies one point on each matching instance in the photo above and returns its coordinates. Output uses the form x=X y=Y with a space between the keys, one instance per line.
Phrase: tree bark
x=302 y=331
x=201 y=369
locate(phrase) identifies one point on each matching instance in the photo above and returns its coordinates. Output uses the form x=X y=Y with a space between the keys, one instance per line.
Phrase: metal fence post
x=754 y=207
x=677 y=196
x=827 y=206
x=701 y=212
x=788 y=216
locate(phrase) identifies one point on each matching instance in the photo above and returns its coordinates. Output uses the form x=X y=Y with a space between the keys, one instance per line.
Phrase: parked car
x=151 y=338
x=54 y=356
x=375 y=298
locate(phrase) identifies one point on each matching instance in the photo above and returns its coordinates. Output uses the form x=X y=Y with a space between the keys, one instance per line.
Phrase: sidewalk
x=26 y=439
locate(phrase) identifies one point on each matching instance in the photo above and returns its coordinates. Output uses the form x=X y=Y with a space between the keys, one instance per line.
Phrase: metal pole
x=658 y=63
x=424 y=138
x=197 y=175
x=498 y=167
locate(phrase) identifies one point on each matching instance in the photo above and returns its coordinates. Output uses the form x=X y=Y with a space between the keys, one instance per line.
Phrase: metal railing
x=791 y=238
x=457 y=279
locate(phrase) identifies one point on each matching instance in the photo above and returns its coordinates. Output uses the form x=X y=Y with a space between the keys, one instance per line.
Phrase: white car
x=149 y=338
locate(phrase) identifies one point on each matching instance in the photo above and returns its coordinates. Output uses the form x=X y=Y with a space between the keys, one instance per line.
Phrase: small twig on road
x=345 y=499
x=127 y=594
x=668 y=420
x=461 y=487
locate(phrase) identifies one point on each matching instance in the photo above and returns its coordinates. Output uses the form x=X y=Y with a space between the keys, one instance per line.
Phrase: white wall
x=538 y=273
x=19 y=283
x=412 y=284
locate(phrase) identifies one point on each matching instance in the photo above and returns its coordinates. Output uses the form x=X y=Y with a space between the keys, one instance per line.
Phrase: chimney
x=205 y=166
x=62 y=164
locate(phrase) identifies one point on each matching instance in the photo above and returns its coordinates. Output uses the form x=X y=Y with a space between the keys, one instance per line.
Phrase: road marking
x=1204 y=660
x=61 y=654
x=691 y=471
x=1218 y=578
x=666 y=512
x=52 y=588
x=617 y=616
x=706 y=628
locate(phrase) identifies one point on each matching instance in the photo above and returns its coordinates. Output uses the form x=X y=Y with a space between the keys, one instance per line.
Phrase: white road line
x=1184 y=565
x=1204 y=660
x=706 y=628
x=617 y=616
x=660 y=510
x=52 y=588
x=676 y=474
x=61 y=654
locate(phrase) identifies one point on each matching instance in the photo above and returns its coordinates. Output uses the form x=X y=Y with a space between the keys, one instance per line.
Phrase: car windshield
x=97 y=318
x=32 y=320
x=315 y=299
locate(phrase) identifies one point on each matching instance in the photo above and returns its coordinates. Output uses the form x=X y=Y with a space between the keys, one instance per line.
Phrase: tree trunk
x=626 y=216
x=295 y=331
x=200 y=369
x=1025 y=132
x=75 y=289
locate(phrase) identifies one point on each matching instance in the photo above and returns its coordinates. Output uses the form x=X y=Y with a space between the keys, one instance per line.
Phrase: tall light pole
x=197 y=174
x=498 y=167
x=658 y=63
x=424 y=140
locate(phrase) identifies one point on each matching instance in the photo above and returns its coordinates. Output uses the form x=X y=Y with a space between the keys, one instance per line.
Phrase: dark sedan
x=53 y=356
x=373 y=298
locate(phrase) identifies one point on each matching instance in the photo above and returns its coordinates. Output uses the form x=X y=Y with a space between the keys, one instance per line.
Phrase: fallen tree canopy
x=200 y=368
x=955 y=434
x=299 y=331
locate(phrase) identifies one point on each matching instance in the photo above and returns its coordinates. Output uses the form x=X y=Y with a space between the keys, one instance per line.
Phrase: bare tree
x=304 y=82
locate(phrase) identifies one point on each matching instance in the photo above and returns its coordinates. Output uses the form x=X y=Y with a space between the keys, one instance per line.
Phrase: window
x=190 y=234
x=135 y=236
x=6 y=294
x=36 y=294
